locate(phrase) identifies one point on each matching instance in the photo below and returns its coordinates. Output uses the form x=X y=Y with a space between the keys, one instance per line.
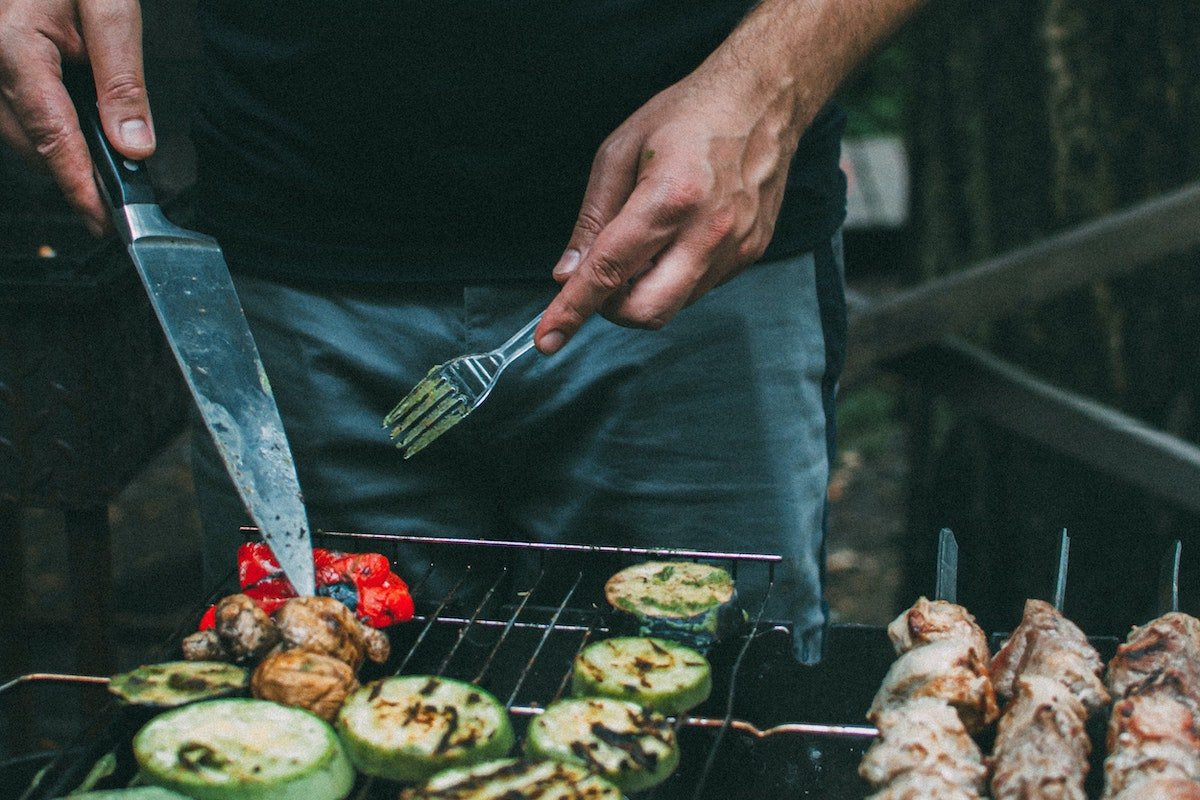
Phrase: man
x=392 y=182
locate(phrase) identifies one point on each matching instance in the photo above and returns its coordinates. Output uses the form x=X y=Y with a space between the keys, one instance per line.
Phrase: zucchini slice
x=695 y=604
x=174 y=683
x=664 y=676
x=134 y=793
x=408 y=728
x=512 y=779
x=631 y=746
x=243 y=749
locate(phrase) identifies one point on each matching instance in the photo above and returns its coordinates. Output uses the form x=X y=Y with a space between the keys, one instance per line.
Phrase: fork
x=450 y=391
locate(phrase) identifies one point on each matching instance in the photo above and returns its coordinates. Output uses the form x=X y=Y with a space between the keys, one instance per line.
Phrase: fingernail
x=552 y=341
x=136 y=133
x=567 y=264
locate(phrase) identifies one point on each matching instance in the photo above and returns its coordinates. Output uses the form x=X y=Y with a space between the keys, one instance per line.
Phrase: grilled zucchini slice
x=631 y=746
x=691 y=603
x=408 y=728
x=174 y=683
x=135 y=793
x=512 y=779
x=243 y=749
x=661 y=675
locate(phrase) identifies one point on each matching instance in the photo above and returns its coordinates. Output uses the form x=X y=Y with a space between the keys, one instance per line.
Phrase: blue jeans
x=714 y=433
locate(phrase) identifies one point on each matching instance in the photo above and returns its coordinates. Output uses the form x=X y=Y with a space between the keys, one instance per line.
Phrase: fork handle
x=520 y=342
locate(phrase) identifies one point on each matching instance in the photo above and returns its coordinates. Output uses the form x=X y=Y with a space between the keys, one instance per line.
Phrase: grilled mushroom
x=308 y=680
x=324 y=625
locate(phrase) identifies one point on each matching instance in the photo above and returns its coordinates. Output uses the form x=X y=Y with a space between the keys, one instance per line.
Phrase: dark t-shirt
x=400 y=140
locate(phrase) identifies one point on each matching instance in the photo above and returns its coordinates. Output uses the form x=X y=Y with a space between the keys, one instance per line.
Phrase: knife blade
x=185 y=275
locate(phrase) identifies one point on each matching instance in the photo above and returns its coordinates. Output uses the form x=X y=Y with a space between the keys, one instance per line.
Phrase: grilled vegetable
x=135 y=793
x=510 y=779
x=631 y=746
x=661 y=675
x=312 y=681
x=408 y=728
x=175 y=683
x=692 y=603
x=243 y=749
x=364 y=582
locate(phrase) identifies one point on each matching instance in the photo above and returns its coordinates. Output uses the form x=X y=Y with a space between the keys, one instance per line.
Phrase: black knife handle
x=123 y=181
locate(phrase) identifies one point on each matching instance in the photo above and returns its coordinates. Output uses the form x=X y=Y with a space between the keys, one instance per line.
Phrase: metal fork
x=450 y=391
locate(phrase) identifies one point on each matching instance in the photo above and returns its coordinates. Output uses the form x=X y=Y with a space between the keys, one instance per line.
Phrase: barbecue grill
x=511 y=616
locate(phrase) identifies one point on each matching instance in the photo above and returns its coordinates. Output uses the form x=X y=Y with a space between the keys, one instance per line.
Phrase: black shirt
x=400 y=140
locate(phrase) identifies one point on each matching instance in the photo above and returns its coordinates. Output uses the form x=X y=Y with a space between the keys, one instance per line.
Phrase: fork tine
x=424 y=396
x=423 y=388
x=429 y=419
x=432 y=431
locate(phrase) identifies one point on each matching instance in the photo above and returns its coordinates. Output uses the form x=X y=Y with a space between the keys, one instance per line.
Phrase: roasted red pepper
x=363 y=581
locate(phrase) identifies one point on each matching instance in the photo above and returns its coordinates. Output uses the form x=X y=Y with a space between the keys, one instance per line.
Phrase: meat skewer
x=1049 y=674
x=936 y=693
x=1154 y=730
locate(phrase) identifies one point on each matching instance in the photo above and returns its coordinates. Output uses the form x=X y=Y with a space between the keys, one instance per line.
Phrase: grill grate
x=512 y=616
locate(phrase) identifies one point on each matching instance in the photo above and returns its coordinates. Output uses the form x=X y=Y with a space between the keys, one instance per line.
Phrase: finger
x=612 y=180
x=634 y=237
x=44 y=112
x=112 y=33
x=657 y=296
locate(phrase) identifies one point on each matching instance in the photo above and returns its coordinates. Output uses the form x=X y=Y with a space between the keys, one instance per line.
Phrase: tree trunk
x=1031 y=117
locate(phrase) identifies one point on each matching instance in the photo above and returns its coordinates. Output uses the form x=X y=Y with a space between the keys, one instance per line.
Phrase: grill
x=511 y=616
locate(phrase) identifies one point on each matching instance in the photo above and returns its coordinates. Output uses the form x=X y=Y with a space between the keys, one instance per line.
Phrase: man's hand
x=36 y=115
x=685 y=194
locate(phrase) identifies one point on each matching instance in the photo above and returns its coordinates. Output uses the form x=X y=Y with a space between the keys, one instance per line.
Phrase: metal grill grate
x=512 y=616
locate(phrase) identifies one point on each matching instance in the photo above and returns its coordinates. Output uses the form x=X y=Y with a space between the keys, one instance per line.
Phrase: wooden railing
x=912 y=334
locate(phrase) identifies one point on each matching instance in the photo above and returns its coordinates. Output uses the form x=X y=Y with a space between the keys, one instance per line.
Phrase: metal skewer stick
x=1168 y=581
x=946 y=587
x=1060 y=578
x=40 y=677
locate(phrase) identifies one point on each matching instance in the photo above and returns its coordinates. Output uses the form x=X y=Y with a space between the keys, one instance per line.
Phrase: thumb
x=112 y=33
x=612 y=180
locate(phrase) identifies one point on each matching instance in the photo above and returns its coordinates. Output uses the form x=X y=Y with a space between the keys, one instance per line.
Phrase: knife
x=185 y=275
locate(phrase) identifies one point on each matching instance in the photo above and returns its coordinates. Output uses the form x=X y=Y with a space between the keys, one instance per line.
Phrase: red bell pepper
x=364 y=581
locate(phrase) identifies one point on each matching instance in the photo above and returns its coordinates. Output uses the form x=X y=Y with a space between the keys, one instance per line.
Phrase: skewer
x=1168 y=581
x=39 y=677
x=806 y=728
x=1060 y=578
x=946 y=587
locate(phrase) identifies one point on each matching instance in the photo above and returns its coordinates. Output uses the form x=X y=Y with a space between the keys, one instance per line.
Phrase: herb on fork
x=450 y=391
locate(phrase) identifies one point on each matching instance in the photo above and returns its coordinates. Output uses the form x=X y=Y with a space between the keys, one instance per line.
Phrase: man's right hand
x=36 y=114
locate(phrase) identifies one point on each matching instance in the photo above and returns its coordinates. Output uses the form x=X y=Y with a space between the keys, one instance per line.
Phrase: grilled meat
x=1048 y=644
x=1162 y=789
x=950 y=670
x=1154 y=730
x=920 y=786
x=1042 y=746
x=935 y=620
x=1151 y=736
x=923 y=738
x=1162 y=654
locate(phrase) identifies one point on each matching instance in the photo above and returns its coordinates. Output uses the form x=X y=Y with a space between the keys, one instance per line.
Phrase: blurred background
x=1021 y=254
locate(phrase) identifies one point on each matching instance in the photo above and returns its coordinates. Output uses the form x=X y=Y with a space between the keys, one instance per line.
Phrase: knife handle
x=123 y=181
